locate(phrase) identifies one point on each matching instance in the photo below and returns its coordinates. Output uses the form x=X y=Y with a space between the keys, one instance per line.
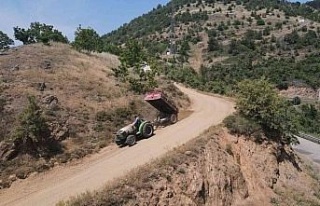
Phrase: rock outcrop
x=216 y=169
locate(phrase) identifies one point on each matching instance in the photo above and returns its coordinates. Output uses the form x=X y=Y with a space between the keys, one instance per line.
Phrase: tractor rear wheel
x=131 y=140
x=147 y=130
x=173 y=118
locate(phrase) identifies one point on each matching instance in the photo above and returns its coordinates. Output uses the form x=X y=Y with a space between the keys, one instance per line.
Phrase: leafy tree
x=309 y=118
x=32 y=132
x=258 y=101
x=292 y=38
x=233 y=47
x=23 y=35
x=310 y=38
x=296 y=100
x=5 y=41
x=266 y=31
x=184 y=48
x=260 y=22
x=88 y=40
x=213 y=44
x=134 y=56
x=39 y=32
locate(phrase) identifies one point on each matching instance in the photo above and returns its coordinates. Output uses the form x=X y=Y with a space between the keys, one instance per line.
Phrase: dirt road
x=93 y=172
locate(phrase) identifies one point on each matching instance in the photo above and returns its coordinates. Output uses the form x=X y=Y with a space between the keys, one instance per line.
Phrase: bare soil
x=91 y=103
x=92 y=173
x=216 y=169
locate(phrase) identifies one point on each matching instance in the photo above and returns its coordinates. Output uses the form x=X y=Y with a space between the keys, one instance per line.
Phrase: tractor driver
x=137 y=122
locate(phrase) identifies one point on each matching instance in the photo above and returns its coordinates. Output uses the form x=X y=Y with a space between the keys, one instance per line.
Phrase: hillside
x=237 y=36
x=217 y=44
x=58 y=105
x=78 y=97
x=215 y=169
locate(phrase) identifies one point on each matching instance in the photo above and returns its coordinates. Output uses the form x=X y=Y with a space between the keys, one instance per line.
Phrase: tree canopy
x=133 y=58
x=32 y=134
x=258 y=101
x=39 y=32
x=5 y=41
x=87 y=39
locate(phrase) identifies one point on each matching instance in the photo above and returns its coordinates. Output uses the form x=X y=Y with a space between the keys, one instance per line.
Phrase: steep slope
x=231 y=41
x=218 y=44
x=94 y=172
x=216 y=169
x=79 y=98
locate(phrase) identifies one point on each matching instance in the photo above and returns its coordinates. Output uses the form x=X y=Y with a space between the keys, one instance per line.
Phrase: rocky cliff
x=216 y=169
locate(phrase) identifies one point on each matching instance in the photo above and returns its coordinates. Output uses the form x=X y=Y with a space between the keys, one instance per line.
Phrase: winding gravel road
x=94 y=172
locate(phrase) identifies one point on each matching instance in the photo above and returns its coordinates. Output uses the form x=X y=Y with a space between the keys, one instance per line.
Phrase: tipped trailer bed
x=168 y=110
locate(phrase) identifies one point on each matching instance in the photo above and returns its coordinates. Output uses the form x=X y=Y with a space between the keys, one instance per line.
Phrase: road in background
x=309 y=149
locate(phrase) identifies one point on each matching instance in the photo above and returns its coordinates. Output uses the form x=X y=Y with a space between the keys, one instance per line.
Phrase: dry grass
x=84 y=86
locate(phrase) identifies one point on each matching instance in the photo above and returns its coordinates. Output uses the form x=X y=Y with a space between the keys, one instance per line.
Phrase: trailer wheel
x=173 y=118
x=147 y=130
x=131 y=140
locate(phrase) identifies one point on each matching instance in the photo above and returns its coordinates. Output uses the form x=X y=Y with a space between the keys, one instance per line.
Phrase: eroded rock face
x=7 y=151
x=208 y=177
x=224 y=170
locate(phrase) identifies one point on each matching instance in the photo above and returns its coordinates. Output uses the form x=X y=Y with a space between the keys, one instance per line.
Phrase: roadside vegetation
x=261 y=113
x=245 y=49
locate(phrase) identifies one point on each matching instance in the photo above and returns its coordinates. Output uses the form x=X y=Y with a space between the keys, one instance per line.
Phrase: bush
x=258 y=101
x=239 y=125
x=102 y=116
x=32 y=134
x=283 y=86
x=296 y=100
x=260 y=22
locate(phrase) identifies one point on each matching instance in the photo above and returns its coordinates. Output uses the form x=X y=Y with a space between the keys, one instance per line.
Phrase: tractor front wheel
x=131 y=140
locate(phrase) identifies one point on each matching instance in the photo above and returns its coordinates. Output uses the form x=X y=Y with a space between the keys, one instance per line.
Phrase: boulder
x=51 y=101
x=12 y=178
x=59 y=132
x=46 y=65
x=48 y=99
x=7 y=151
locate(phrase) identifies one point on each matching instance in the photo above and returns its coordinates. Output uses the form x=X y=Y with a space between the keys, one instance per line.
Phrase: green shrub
x=32 y=135
x=260 y=22
x=239 y=125
x=296 y=100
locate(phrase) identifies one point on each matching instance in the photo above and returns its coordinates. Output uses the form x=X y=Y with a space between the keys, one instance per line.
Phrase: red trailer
x=168 y=112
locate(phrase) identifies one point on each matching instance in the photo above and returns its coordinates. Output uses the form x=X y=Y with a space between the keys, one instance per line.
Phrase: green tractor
x=129 y=134
x=168 y=114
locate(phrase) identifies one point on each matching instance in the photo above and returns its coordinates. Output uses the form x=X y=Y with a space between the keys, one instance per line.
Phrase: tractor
x=128 y=135
x=168 y=114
